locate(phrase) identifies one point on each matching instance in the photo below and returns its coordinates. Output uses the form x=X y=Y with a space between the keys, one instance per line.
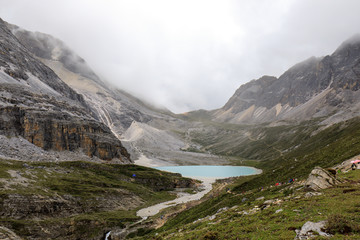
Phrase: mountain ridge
x=315 y=87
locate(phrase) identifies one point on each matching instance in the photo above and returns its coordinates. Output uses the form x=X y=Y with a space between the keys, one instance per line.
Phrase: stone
x=279 y=210
x=311 y=194
x=308 y=229
x=319 y=178
x=269 y=202
x=212 y=217
x=222 y=209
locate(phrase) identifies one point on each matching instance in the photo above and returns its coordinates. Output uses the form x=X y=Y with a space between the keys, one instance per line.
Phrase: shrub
x=211 y=236
x=340 y=224
x=288 y=191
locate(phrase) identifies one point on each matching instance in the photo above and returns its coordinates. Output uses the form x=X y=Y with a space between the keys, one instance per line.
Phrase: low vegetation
x=77 y=199
x=271 y=214
x=326 y=148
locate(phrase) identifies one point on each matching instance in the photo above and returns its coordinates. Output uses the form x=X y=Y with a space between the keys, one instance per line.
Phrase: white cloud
x=186 y=54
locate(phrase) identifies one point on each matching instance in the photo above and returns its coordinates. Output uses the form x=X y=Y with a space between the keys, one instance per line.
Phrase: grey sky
x=189 y=54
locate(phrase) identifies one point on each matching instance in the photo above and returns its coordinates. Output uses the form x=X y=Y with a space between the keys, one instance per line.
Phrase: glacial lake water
x=211 y=171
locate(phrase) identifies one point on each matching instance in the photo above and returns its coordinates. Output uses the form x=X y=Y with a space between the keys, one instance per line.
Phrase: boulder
x=319 y=178
x=308 y=229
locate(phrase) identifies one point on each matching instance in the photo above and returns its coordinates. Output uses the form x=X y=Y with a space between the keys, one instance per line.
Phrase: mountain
x=159 y=133
x=317 y=87
x=54 y=183
x=54 y=107
x=38 y=107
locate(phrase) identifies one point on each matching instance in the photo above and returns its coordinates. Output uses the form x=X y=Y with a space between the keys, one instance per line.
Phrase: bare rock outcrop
x=320 y=178
x=309 y=228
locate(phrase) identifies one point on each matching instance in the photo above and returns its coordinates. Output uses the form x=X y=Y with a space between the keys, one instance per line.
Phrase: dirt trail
x=182 y=198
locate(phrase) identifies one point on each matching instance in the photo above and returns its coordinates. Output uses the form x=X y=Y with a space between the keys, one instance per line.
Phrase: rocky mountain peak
x=349 y=47
x=47 y=47
x=316 y=87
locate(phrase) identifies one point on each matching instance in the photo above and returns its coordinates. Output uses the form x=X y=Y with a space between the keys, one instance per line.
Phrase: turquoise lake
x=211 y=171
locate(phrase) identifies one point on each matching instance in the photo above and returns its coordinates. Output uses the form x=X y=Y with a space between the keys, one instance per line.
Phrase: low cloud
x=188 y=55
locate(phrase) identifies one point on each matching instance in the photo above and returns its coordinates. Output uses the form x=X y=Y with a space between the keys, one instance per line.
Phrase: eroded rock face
x=37 y=105
x=60 y=131
x=319 y=178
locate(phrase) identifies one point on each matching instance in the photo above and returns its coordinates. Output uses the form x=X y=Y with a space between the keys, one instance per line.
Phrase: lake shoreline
x=182 y=196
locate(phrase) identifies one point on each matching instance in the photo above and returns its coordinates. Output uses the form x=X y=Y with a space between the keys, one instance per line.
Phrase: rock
x=222 y=209
x=254 y=210
x=212 y=217
x=269 y=202
x=59 y=131
x=320 y=179
x=311 y=194
x=308 y=229
x=279 y=210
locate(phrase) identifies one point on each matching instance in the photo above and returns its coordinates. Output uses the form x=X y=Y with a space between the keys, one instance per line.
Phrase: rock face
x=320 y=179
x=37 y=105
x=59 y=132
x=316 y=87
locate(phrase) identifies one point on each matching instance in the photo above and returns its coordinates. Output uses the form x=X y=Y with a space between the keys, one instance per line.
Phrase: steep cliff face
x=59 y=132
x=317 y=87
x=38 y=106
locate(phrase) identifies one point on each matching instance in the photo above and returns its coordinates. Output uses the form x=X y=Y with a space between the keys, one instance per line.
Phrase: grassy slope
x=296 y=209
x=327 y=148
x=258 y=142
x=86 y=182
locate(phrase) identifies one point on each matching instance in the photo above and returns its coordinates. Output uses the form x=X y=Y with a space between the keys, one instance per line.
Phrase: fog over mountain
x=187 y=55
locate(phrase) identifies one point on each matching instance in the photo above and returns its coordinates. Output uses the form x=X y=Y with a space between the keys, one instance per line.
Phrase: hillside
x=78 y=200
x=37 y=106
x=272 y=213
x=160 y=133
x=284 y=147
x=317 y=87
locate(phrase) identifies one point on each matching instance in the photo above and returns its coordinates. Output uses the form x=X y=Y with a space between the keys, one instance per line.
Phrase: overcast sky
x=189 y=54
